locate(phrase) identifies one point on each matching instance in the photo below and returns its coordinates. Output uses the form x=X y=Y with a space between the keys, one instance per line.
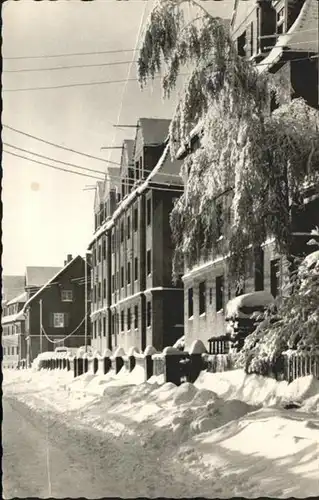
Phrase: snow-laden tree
x=296 y=325
x=262 y=158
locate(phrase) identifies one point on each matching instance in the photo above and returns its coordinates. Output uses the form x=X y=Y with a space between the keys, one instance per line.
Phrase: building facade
x=280 y=37
x=55 y=314
x=136 y=304
x=13 y=329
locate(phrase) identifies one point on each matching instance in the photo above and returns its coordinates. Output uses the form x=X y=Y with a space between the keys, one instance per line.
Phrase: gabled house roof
x=20 y=299
x=154 y=130
x=51 y=280
x=38 y=275
x=12 y=286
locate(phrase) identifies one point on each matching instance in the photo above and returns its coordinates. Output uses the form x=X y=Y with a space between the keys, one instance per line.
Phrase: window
x=104 y=326
x=210 y=296
x=129 y=318
x=66 y=295
x=148 y=262
x=113 y=242
x=251 y=39
x=240 y=287
x=141 y=165
x=122 y=232
x=135 y=268
x=148 y=211
x=149 y=314
x=104 y=288
x=274 y=277
x=241 y=43
x=135 y=221
x=219 y=220
x=137 y=170
x=128 y=227
x=122 y=277
x=123 y=188
x=100 y=253
x=259 y=269
x=122 y=321
x=104 y=249
x=128 y=273
x=190 y=302
x=60 y=320
x=202 y=297
x=99 y=288
x=135 y=316
x=113 y=283
x=219 y=292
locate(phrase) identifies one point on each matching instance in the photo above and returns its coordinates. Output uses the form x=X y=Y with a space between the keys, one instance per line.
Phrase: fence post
x=196 y=364
x=148 y=360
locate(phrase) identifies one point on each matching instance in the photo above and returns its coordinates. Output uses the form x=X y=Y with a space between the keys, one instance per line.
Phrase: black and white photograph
x=160 y=249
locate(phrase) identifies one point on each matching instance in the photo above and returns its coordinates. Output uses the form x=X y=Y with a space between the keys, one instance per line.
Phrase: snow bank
x=251 y=300
x=257 y=390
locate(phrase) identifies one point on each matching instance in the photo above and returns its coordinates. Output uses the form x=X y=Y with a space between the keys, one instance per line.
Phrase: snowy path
x=43 y=457
x=150 y=440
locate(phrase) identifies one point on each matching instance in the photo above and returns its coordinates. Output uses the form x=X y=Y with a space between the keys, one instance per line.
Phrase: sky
x=47 y=213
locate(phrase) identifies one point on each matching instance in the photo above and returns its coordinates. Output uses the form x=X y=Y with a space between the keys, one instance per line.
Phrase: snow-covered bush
x=296 y=325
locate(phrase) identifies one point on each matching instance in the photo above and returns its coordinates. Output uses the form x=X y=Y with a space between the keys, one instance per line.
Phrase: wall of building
x=52 y=303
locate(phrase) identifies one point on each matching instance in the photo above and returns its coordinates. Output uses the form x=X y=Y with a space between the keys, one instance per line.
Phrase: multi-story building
x=135 y=302
x=281 y=37
x=55 y=314
x=13 y=324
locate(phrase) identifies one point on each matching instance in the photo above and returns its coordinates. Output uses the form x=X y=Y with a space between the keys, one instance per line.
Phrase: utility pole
x=41 y=346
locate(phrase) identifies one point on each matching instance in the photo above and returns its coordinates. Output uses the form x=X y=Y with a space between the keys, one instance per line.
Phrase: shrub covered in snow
x=296 y=327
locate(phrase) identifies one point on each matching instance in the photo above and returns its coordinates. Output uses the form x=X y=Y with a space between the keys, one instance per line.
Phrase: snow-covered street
x=174 y=441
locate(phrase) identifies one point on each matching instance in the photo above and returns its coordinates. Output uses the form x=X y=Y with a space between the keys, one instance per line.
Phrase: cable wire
x=58 y=145
x=116 y=63
x=52 y=166
x=55 y=341
x=52 y=159
x=70 y=54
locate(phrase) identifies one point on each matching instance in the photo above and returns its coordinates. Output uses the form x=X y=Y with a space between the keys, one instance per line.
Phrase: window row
x=9 y=310
x=202 y=289
x=131 y=317
x=207 y=295
x=10 y=351
x=12 y=329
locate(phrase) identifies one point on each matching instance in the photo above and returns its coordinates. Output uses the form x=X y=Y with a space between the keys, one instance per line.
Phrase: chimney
x=69 y=258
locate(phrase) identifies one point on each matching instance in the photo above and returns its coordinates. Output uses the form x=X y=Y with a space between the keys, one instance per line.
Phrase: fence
x=178 y=367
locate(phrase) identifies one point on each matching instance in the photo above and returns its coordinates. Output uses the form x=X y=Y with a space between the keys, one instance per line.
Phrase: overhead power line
x=52 y=166
x=53 y=159
x=84 y=84
x=58 y=145
x=47 y=56
x=116 y=63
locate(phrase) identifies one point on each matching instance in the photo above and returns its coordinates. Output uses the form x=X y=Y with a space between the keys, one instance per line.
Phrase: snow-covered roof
x=50 y=280
x=301 y=37
x=12 y=285
x=163 y=164
x=154 y=130
x=20 y=299
x=254 y=299
x=38 y=275
x=12 y=318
